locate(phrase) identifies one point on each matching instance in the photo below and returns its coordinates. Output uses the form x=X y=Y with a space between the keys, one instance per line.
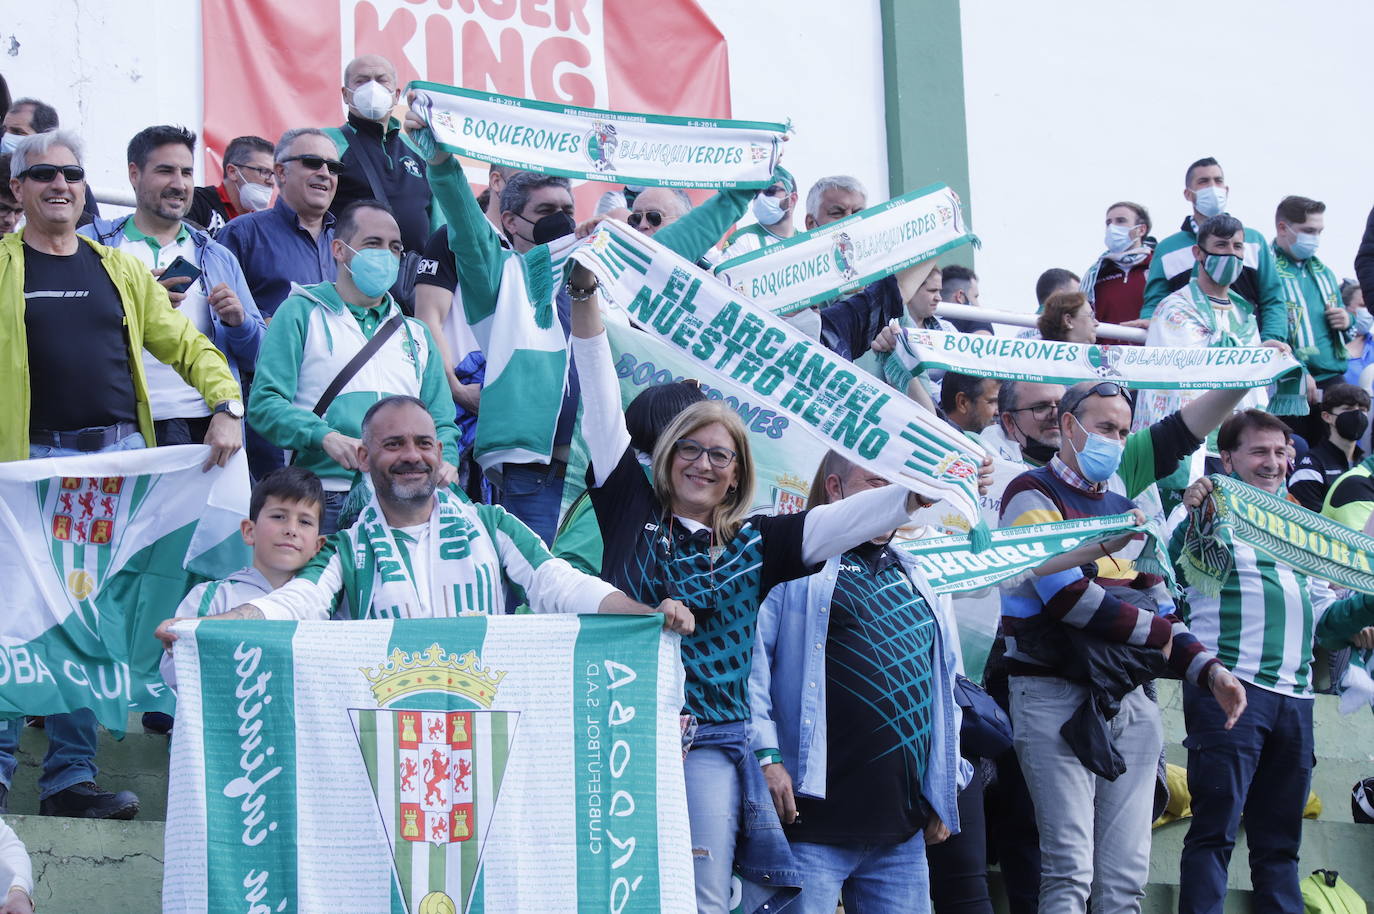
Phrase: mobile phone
x=181 y=268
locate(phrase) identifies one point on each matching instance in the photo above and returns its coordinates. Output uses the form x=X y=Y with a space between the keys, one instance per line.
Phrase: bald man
x=377 y=162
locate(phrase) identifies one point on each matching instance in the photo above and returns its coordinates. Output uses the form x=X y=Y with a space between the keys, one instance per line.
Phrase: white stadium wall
x=1071 y=110
x=114 y=67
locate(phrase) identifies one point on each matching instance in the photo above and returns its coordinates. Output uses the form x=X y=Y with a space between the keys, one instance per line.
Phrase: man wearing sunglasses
x=290 y=243
x=77 y=315
x=247 y=186
x=773 y=209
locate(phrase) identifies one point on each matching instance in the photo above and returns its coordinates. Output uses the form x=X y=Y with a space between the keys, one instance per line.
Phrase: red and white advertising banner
x=272 y=65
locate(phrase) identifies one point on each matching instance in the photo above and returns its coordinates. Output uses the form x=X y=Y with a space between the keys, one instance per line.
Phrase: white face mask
x=254 y=197
x=373 y=100
x=8 y=142
x=767 y=210
x=1210 y=200
x=1119 y=238
x=808 y=322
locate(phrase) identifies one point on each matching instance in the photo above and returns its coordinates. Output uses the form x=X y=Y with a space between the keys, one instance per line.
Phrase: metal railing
x=1022 y=319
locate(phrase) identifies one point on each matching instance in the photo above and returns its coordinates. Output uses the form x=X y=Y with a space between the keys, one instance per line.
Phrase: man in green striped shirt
x=1260 y=627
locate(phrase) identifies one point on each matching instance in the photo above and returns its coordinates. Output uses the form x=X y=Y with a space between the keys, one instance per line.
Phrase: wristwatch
x=233 y=407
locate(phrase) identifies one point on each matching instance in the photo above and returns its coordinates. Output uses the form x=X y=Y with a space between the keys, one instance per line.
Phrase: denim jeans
x=734 y=824
x=1261 y=767
x=1094 y=833
x=713 y=811
x=70 y=758
x=874 y=878
x=533 y=494
x=329 y=517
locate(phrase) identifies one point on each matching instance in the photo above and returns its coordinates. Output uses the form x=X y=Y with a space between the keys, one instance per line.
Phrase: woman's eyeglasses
x=690 y=450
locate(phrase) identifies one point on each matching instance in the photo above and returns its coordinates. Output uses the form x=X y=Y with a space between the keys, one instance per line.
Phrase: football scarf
x=728 y=337
x=597 y=145
x=815 y=267
x=1275 y=527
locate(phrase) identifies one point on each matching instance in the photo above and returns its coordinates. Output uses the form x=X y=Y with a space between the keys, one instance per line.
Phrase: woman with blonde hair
x=688 y=534
x=1068 y=318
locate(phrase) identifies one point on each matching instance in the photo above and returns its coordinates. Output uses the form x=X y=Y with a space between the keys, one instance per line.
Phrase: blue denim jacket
x=239 y=344
x=787 y=688
x=763 y=856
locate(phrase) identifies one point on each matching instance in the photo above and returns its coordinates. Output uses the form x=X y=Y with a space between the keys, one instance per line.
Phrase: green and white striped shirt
x=1261 y=624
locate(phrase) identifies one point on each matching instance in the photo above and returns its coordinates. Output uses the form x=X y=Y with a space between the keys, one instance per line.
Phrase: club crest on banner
x=435 y=766
x=846 y=260
x=790 y=494
x=602 y=142
x=1105 y=360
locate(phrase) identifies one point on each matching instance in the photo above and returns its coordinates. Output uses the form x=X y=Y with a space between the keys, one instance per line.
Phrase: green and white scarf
x=815 y=267
x=598 y=145
x=952 y=566
x=1051 y=362
x=1285 y=532
x=1301 y=334
x=729 y=338
x=463 y=570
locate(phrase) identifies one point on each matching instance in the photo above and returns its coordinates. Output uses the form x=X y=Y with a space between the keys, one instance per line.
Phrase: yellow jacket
x=150 y=322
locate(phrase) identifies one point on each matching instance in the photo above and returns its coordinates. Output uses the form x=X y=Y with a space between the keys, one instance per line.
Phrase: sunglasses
x=46 y=174
x=654 y=216
x=1069 y=403
x=315 y=163
x=690 y=450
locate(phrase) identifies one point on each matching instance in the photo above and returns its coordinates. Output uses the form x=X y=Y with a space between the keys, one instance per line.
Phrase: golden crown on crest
x=432 y=670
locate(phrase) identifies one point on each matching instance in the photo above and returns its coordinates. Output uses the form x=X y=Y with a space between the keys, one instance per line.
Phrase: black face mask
x=1038 y=451
x=1350 y=425
x=551 y=227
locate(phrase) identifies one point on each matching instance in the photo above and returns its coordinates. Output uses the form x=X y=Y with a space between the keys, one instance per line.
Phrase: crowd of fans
x=314 y=305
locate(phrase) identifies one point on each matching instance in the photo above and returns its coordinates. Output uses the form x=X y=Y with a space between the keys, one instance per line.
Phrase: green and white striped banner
x=1280 y=529
x=599 y=145
x=728 y=337
x=95 y=551
x=449 y=766
x=815 y=267
x=953 y=567
x=1051 y=362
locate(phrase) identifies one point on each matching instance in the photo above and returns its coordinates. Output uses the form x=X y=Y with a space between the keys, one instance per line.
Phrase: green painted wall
x=923 y=74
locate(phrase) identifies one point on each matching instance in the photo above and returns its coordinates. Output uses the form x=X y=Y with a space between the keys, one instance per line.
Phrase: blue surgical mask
x=1364 y=319
x=374 y=270
x=1100 y=456
x=1223 y=268
x=1210 y=200
x=767 y=210
x=8 y=143
x=1304 y=245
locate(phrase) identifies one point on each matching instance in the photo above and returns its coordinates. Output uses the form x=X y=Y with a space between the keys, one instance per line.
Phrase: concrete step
x=80 y=865
x=138 y=762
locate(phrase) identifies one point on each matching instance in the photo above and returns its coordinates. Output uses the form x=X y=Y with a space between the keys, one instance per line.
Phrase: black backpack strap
x=356 y=363
x=369 y=167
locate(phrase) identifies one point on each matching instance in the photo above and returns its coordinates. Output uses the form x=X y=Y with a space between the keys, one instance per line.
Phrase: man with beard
x=217 y=301
x=455 y=557
x=336 y=348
